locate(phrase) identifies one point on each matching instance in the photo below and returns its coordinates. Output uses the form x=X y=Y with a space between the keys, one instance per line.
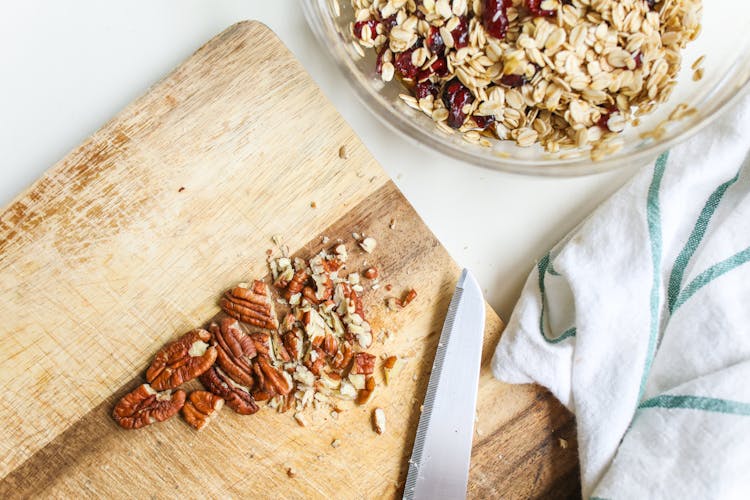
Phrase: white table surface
x=67 y=67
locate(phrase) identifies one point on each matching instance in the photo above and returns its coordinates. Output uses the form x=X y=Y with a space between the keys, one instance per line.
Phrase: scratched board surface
x=128 y=242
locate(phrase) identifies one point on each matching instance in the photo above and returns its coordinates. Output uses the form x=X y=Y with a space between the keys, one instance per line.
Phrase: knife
x=439 y=464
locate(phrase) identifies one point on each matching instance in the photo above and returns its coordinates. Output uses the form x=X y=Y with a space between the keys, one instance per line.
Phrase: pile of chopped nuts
x=561 y=73
x=315 y=356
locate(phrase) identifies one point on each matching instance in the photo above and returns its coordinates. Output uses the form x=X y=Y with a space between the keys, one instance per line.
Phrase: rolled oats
x=575 y=75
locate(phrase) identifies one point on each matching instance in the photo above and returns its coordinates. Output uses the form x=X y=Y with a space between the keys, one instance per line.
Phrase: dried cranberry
x=495 y=17
x=535 y=6
x=435 y=41
x=602 y=122
x=455 y=97
x=390 y=22
x=638 y=60
x=423 y=74
x=426 y=88
x=360 y=24
x=404 y=66
x=460 y=33
x=514 y=80
x=440 y=67
x=484 y=121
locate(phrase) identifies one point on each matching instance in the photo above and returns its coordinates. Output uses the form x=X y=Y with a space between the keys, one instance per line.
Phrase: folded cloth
x=639 y=323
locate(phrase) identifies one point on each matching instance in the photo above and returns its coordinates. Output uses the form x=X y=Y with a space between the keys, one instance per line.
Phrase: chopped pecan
x=332 y=265
x=349 y=301
x=389 y=368
x=237 y=397
x=235 y=351
x=182 y=360
x=364 y=395
x=315 y=360
x=364 y=363
x=315 y=327
x=251 y=305
x=323 y=287
x=295 y=286
x=309 y=294
x=410 y=295
x=280 y=353
x=144 y=406
x=293 y=342
x=200 y=408
x=342 y=358
x=275 y=381
x=330 y=345
x=288 y=323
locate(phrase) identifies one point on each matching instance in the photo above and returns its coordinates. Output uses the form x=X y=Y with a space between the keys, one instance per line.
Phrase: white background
x=66 y=67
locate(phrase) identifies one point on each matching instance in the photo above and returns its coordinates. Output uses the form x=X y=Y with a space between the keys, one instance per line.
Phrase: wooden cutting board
x=128 y=242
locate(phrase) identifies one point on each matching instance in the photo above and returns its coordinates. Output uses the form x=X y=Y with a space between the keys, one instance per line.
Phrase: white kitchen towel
x=639 y=323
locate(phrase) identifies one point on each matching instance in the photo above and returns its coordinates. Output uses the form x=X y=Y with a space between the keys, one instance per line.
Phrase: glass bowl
x=724 y=40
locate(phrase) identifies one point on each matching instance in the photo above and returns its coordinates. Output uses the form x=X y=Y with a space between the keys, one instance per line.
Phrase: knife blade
x=439 y=464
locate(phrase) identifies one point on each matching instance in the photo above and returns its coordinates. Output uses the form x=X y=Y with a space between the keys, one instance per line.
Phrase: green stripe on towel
x=653 y=218
x=697 y=403
x=711 y=274
x=701 y=225
x=542 y=268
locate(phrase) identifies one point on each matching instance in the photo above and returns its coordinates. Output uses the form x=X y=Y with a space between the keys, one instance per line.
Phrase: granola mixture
x=561 y=73
x=300 y=342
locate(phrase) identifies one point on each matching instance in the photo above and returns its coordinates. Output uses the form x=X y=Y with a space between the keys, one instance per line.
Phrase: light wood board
x=128 y=242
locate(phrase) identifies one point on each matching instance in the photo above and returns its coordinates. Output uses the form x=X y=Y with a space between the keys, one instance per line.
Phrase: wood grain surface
x=128 y=242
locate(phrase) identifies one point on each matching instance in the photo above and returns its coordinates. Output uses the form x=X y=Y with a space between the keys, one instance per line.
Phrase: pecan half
x=200 y=408
x=364 y=363
x=251 y=305
x=275 y=381
x=182 y=360
x=144 y=406
x=235 y=351
x=236 y=396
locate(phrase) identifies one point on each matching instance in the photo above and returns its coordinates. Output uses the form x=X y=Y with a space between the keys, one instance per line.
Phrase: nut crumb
x=370 y=273
x=368 y=244
x=563 y=443
x=291 y=472
x=300 y=418
x=392 y=225
x=313 y=204
x=378 y=420
x=343 y=153
x=335 y=443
